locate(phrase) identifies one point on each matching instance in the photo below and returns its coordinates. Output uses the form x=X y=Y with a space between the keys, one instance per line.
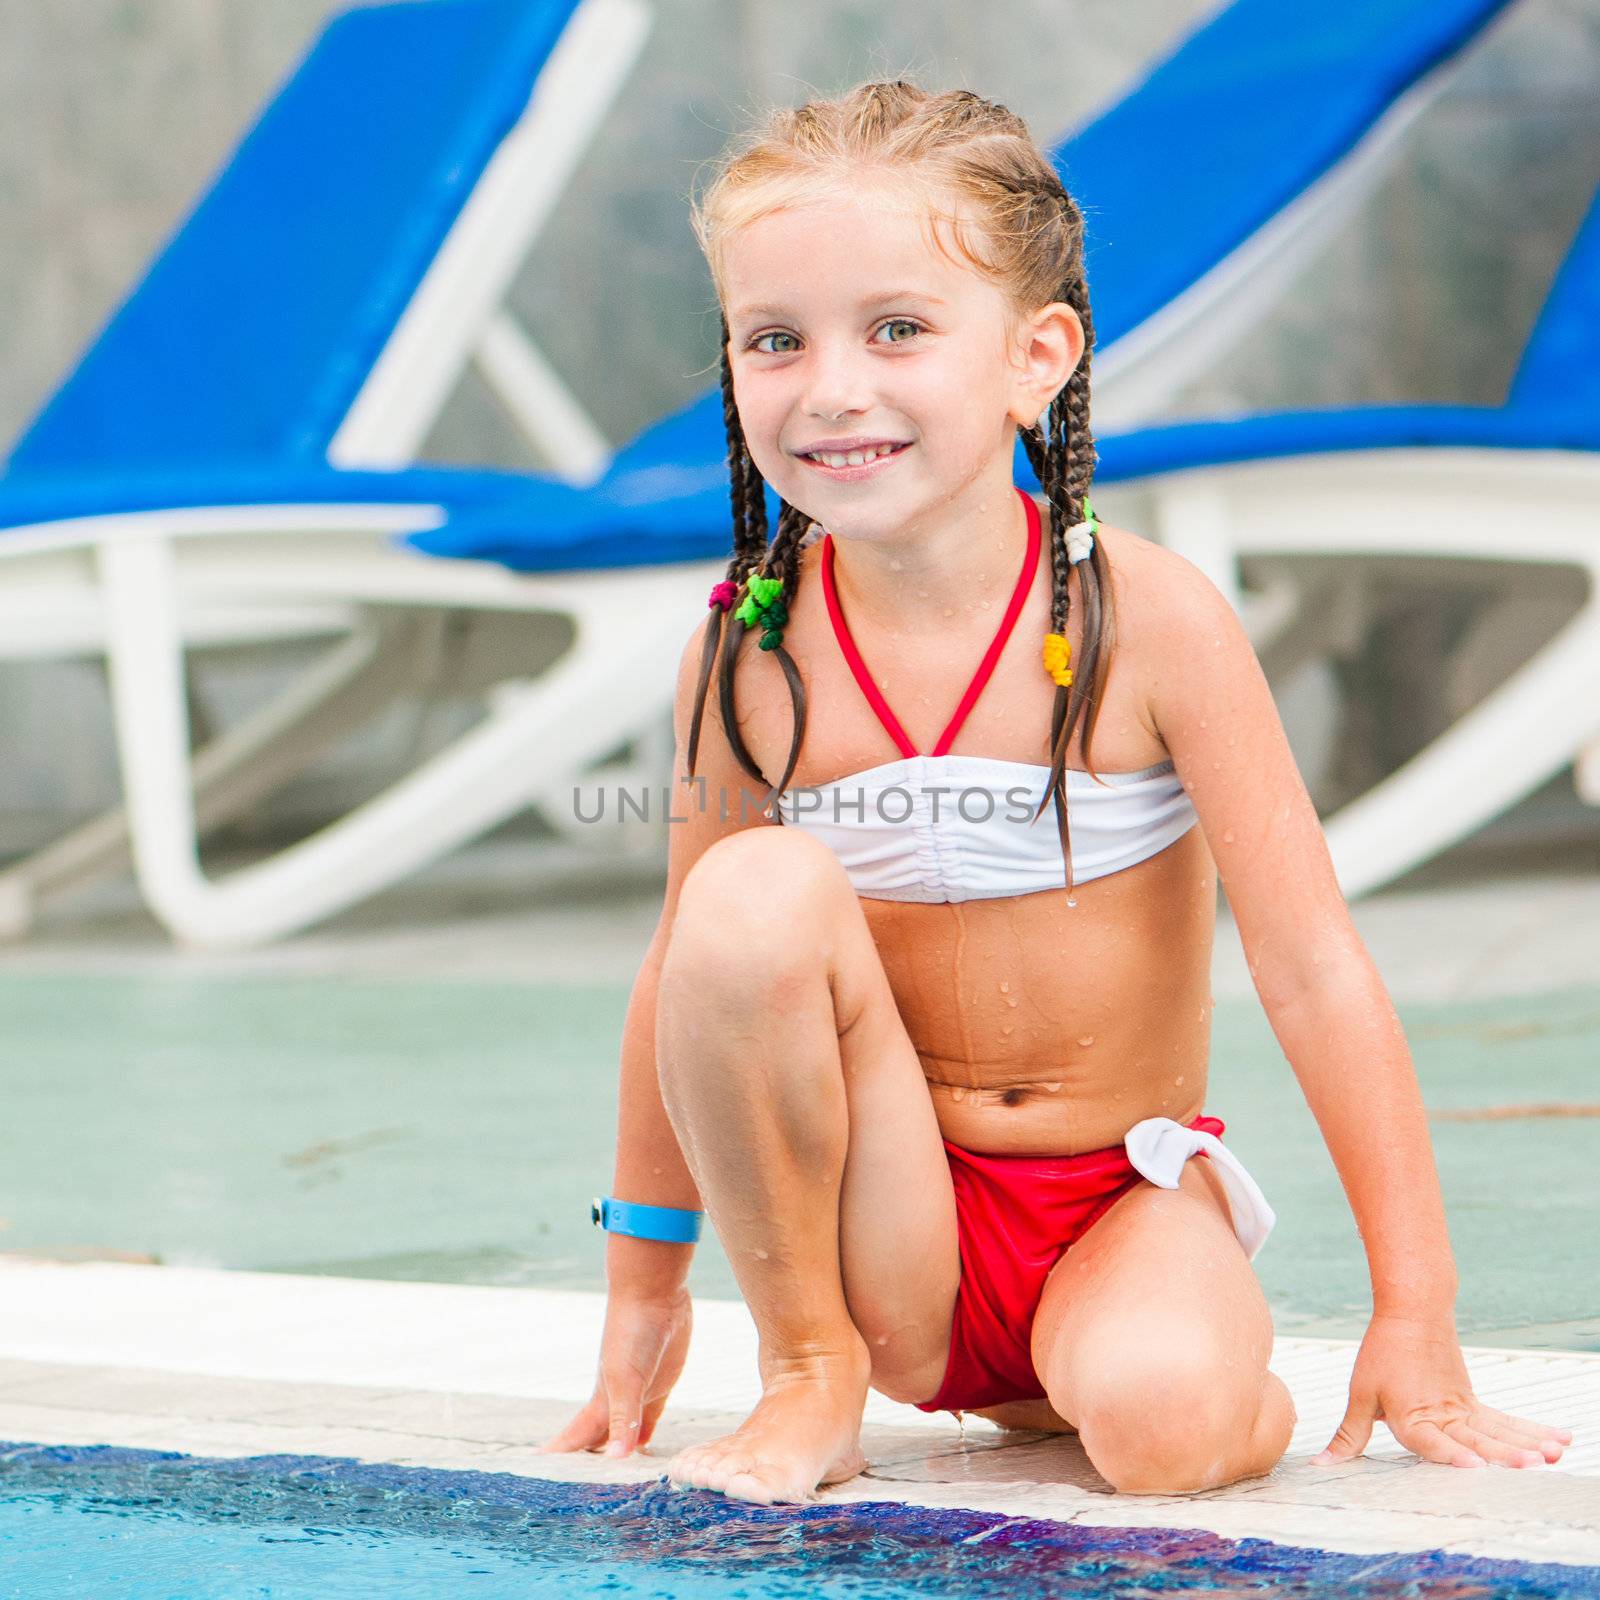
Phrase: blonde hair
x=989 y=193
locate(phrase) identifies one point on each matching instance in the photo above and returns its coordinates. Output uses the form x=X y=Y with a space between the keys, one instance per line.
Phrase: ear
x=1049 y=346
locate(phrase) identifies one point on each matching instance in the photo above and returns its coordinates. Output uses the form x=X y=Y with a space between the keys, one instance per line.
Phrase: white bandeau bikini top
x=944 y=827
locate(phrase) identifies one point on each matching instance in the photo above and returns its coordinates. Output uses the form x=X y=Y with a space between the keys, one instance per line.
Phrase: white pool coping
x=237 y=1363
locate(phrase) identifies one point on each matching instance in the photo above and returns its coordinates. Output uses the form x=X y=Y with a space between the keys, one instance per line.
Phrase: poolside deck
x=233 y=1364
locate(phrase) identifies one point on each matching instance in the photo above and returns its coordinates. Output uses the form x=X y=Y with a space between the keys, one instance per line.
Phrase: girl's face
x=849 y=333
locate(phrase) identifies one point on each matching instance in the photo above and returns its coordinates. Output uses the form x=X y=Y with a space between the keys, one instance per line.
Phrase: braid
x=781 y=562
x=1064 y=463
x=750 y=553
x=747 y=489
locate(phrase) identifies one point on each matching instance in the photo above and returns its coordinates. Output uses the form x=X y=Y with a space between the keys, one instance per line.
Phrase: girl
x=934 y=1064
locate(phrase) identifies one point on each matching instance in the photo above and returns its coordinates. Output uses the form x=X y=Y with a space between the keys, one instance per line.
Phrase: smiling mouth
x=852 y=458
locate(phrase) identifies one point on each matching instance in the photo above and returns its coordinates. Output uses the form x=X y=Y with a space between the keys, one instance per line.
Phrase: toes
x=687 y=1468
x=765 y=1488
x=708 y=1466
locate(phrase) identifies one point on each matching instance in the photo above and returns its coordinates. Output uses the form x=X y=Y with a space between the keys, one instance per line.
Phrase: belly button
x=1013 y=1097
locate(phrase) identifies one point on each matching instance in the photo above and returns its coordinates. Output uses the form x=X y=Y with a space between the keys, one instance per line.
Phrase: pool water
x=94 y=1521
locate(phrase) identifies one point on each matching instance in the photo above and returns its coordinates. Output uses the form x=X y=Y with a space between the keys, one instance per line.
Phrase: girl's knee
x=756 y=906
x=1179 y=1422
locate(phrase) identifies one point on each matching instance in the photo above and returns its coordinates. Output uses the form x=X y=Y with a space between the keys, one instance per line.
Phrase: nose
x=836 y=382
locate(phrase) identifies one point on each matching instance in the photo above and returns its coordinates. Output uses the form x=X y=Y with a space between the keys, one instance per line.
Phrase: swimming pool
x=93 y=1521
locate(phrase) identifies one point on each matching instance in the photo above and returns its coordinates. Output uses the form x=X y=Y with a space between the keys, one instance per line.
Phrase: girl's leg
x=1153 y=1338
x=803 y=1113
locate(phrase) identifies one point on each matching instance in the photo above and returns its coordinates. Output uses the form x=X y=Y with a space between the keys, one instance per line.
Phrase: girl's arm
x=646 y=1335
x=1209 y=702
x=650 y=1168
x=1322 y=994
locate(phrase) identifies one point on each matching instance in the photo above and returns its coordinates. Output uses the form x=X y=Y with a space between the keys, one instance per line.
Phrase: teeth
x=853 y=458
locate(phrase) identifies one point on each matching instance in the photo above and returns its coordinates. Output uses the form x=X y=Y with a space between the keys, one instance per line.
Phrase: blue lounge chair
x=368 y=225
x=1518 y=482
x=1209 y=183
x=251 y=404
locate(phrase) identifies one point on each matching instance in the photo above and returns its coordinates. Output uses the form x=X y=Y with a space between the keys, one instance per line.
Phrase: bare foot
x=1034 y=1416
x=804 y=1433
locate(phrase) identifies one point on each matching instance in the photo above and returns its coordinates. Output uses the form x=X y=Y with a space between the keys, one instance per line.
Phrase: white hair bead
x=1080 y=541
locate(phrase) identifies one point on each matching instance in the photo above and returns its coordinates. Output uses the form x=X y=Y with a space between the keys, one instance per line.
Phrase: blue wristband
x=670 y=1224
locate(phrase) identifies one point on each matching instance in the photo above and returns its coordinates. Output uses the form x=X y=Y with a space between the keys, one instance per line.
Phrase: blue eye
x=901 y=322
x=755 y=343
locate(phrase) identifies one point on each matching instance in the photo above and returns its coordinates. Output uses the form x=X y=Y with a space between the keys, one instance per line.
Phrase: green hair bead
x=760 y=602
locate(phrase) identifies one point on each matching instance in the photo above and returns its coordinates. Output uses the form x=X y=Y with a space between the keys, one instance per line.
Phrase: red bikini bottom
x=1015 y=1218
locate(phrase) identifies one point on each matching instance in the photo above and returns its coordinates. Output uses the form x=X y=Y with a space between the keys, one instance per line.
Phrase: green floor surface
x=456 y=1131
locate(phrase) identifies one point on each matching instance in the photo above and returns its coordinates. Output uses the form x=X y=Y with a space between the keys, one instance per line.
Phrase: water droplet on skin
x=1051 y=1088
x=1087 y=1040
x=1008 y=1028
x=1005 y=988
x=1011 y=1000
x=882 y=1338
x=949 y=611
x=1179 y=1078
x=761 y=1255
x=1227 y=836
x=1071 y=901
x=958 y=1094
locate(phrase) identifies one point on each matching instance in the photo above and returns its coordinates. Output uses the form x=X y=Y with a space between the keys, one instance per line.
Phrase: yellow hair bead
x=1057 y=653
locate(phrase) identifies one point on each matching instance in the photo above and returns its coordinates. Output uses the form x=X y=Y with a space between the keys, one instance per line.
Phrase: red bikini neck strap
x=841 y=630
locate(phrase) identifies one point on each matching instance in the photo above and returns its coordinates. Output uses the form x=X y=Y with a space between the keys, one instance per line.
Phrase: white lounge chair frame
x=145 y=568
x=1437 y=504
x=111 y=584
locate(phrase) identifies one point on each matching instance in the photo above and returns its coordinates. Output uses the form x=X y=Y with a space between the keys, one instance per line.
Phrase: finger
x=1350 y=1438
x=1536 y=1430
x=586 y=1430
x=626 y=1417
x=1495 y=1449
x=1432 y=1443
x=1531 y=1435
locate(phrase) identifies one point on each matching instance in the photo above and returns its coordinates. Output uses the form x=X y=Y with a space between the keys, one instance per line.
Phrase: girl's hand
x=642 y=1352
x=1410 y=1373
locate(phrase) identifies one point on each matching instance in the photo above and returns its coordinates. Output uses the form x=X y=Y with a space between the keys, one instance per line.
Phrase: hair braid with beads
x=751 y=553
x=952 y=143
x=1064 y=463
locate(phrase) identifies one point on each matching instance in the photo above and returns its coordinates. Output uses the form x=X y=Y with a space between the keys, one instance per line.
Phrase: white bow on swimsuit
x=1158 y=1147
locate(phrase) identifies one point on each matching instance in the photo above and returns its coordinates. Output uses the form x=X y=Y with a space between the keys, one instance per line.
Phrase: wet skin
x=1046 y=1023
x=1042 y=1027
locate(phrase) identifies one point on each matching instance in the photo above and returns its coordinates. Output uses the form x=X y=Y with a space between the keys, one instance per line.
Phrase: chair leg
x=1498 y=752
x=232 y=772
x=528 y=742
